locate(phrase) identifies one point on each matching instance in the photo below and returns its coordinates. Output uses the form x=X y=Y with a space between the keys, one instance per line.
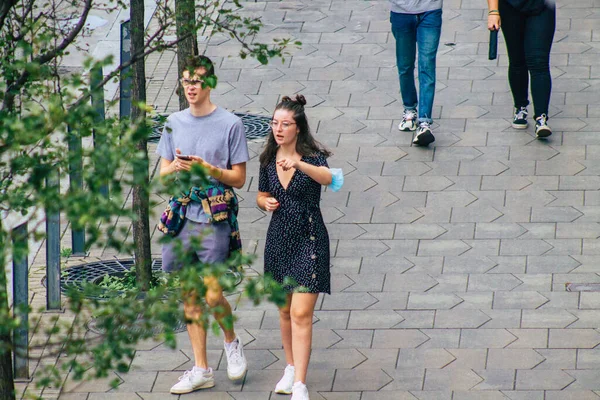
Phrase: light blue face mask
x=337 y=179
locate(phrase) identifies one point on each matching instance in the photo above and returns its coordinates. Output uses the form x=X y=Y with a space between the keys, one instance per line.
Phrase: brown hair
x=306 y=144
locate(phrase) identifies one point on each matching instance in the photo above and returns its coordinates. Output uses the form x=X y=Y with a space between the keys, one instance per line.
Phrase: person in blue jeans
x=417 y=24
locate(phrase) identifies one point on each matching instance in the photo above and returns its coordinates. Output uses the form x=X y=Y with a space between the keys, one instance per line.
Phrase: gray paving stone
x=373 y=319
x=519 y=300
x=573 y=338
x=450 y=283
x=460 y=319
x=455 y=379
x=432 y=395
x=350 y=339
x=487 y=395
x=486 y=338
x=468 y=264
x=524 y=394
x=424 y=358
x=493 y=282
x=568 y=395
x=475 y=301
x=389 y=339
x=544 y=380
x=417 y=319
x=404 y=379
x=428 y=301
x=547 y=318
x=364 y=379
x=512 y=359
x=529 y=338
x=557 y=359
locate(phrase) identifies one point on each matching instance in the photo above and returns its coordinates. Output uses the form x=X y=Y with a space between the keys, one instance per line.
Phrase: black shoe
x=542 y=130
x=424 y=136
x=520 y=118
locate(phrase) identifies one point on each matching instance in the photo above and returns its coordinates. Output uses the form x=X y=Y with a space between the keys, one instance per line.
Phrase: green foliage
x=41 y=109
x=66 y=252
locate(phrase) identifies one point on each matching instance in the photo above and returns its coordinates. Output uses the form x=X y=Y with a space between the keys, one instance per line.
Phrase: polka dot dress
x=297 y=243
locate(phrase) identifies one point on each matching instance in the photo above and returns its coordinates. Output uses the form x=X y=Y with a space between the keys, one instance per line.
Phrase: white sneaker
x=409 y=121
x=424 y=136
x=236 y=361
x=284 y=386
x=542 y=130
x=299 y=391
x=194 y=380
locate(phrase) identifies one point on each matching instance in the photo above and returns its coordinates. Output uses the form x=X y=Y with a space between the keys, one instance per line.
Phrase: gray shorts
x=215 y=244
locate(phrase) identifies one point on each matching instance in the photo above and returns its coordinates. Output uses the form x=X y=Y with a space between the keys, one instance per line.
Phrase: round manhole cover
x=78 y=276
x=93 y=272
x=256 y=126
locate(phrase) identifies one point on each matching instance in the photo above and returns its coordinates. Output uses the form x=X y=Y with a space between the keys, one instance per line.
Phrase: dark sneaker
x=542 y=129
x=424 y=136
x=520 y=118
x=409 y=121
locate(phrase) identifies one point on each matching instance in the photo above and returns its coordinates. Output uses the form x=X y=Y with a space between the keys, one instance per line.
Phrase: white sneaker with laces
x=193 y=380
x=299 y=391
x=542 y=130
x=409 y=121
x=520 y=118
x=236 y=361
x=284 y=386
x=424 y=136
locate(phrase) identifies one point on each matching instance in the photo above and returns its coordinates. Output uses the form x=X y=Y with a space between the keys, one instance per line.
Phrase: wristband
x=493 y=11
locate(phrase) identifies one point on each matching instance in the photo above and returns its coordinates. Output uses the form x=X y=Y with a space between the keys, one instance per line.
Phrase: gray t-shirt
x=218 y=138
x=415 y=6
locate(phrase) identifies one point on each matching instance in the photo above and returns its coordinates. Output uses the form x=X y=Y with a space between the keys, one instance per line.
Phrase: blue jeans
x=412 y=31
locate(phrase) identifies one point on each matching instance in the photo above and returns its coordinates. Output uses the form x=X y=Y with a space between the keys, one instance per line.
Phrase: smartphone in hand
x=183 y=157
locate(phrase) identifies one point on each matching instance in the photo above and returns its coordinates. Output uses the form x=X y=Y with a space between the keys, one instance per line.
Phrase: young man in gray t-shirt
x=207 y=134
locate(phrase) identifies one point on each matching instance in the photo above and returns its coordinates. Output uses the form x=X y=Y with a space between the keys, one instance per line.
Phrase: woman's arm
x=321 y=175
x=266 y=201
x=493 y=15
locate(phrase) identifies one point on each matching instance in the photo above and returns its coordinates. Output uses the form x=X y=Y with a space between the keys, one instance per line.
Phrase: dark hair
x=192 y=63
x=306 y=144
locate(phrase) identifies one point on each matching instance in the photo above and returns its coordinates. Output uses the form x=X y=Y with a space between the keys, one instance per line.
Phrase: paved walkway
x=449 y=263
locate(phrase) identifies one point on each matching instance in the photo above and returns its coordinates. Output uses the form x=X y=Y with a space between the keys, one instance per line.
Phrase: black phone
x=183 y=157
x=493 y=50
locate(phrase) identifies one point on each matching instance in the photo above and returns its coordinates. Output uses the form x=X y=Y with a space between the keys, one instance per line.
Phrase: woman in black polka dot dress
x=293 y=169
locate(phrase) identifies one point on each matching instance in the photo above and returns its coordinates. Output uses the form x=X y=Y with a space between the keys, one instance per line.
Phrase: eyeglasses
x=191 y=82
x=284 y=124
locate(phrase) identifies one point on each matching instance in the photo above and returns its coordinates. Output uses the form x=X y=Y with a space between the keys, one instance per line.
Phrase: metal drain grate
x=582 y=287
x=256 y=126
x=78 y=275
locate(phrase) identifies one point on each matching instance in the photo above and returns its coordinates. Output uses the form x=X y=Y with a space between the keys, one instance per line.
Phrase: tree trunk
x=185 y=20
x=7 y=385
x=141 y=224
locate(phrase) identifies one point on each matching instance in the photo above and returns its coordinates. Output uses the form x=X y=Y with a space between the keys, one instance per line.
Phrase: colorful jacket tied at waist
x=219 y=203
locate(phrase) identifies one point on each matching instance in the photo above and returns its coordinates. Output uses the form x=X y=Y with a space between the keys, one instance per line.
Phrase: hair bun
x=300 y=99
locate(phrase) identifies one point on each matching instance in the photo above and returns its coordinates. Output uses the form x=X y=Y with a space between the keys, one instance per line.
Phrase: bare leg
x=301 y=312
x=196 y=331
x=223 y=314
x=285 y=325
